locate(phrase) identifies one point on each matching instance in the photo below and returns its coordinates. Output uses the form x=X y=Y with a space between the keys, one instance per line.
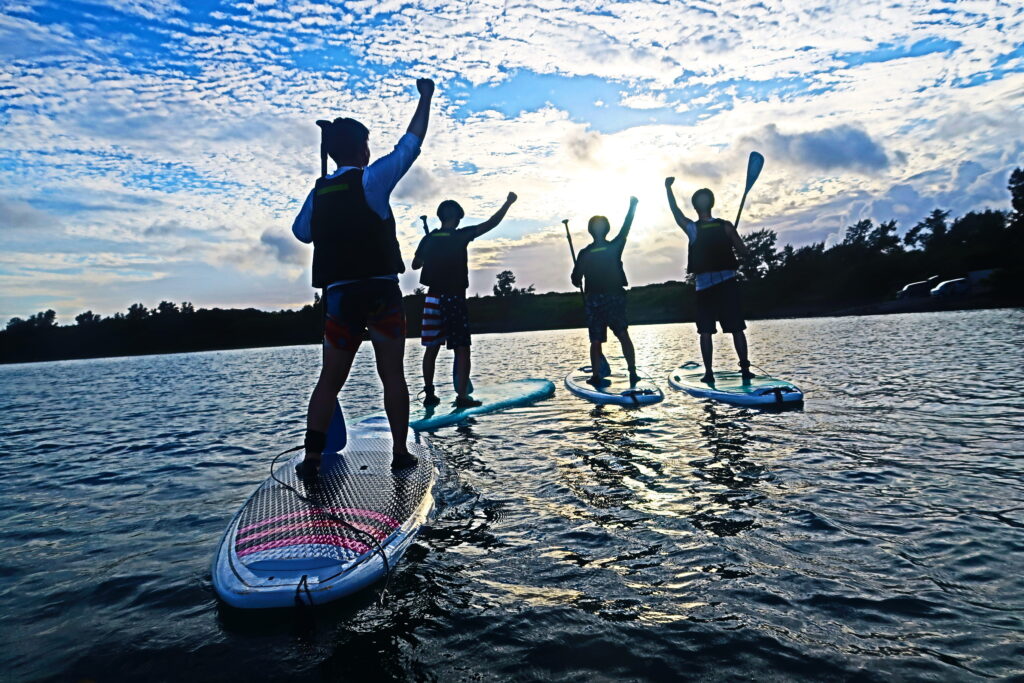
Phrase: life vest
x=350 y=241
x=601 y=266
x=712 y=249
x=446 y=260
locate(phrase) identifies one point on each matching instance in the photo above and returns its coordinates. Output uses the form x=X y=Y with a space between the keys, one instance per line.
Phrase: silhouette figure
x=599 y=270
x=356 y=260
x=443 y=256
x=714 y=243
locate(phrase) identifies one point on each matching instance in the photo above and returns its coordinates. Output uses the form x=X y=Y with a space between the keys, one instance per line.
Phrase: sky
x=158 y=150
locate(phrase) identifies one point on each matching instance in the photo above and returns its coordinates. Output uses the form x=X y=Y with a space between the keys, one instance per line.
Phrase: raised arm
x=681 y=219
x=418 y=125
x=628 y=223
x=734 y=237
x=493 y=221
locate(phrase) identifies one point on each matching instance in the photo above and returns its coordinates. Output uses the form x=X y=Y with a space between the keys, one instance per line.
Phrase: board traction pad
x=356 y=487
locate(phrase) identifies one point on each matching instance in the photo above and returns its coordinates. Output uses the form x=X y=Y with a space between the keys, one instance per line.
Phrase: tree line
x=869 y=265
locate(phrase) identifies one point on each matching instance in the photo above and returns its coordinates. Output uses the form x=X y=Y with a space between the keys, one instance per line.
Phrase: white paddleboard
x=730 y=387
x=616 y=391
x=279 y=548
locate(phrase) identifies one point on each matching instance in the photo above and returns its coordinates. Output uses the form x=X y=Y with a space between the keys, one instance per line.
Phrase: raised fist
x=669 y=181
x=425 y=86
x=512 y=197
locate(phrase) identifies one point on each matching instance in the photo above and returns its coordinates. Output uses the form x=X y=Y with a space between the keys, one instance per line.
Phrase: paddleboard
x=730 y=387
x=280 y=549
x=616 y=391
x=494 y=397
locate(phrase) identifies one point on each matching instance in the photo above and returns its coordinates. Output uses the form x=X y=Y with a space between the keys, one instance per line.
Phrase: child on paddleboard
x=714 y=244
x=599 y=271
x=443 y=256
x=356 y=261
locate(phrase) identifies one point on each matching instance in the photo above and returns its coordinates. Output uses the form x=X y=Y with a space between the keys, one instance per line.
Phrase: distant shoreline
x=891 y=307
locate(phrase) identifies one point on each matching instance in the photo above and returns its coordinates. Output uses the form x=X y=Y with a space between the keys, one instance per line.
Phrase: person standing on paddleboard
x=712 y=261
x=599 y=270
x=443 y=256
x=356 y=261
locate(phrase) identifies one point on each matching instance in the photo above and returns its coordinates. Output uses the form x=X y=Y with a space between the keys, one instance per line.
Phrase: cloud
x=829 y=149
x=583 y=144
x=285 y=248
x=19 y=215
x=418 y=185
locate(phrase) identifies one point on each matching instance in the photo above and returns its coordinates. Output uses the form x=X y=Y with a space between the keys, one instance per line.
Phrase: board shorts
x=720 y=302
x=367 y=309
x=605 y=310
x=445 y=319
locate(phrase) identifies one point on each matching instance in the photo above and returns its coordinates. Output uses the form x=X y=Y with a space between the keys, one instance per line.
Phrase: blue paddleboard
x=494 y=397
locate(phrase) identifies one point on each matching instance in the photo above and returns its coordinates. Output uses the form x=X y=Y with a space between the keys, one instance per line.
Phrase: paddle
x=754 y=165
x=426 y=228
x=605 y=369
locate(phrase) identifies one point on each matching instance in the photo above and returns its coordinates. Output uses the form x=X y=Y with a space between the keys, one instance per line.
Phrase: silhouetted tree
x=929 y=232
x=761 y=256
x=506 y=285
x=857 y=234
x=1016 y=188
x=187 y=308
x=87 y=318
x=137 y=312
x=166 y=308
x=883 y=238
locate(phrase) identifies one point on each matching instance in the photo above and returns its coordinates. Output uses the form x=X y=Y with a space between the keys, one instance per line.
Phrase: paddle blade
x=754 y=165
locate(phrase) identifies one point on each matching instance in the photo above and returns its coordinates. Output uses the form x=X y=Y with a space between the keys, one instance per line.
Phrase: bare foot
x=708 y=378
x=403 y=460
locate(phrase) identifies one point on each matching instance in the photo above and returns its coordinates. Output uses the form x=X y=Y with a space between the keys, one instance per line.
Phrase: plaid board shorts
x=445 y=319
x=364 y=309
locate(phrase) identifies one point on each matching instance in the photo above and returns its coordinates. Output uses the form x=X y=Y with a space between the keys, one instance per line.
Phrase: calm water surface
x=878 y=534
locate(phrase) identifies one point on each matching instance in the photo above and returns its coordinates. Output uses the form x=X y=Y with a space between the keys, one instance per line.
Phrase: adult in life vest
x=712 y=261
x=444 y=258
x=356 y=261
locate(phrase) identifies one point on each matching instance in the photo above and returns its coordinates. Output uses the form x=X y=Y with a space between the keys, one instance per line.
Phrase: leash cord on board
x=375 y=544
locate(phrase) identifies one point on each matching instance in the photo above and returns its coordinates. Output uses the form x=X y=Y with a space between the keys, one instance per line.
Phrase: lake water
x=876 y=534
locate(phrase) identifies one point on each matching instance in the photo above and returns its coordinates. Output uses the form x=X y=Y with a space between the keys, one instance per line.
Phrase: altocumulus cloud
x=840 y=147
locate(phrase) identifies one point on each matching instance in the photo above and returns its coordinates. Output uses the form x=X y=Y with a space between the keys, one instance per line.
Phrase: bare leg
x=740 y=341
x=629 y=353
x=596 y=354
x=463 y=363
x=707 y=352
x=429 y=363
x=336 y=365
x=390 y=356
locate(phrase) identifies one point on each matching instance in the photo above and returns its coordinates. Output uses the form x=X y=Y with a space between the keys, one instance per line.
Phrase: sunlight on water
x=874 y=534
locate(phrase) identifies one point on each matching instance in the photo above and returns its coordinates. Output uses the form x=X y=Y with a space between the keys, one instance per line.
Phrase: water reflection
x=728 y=475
